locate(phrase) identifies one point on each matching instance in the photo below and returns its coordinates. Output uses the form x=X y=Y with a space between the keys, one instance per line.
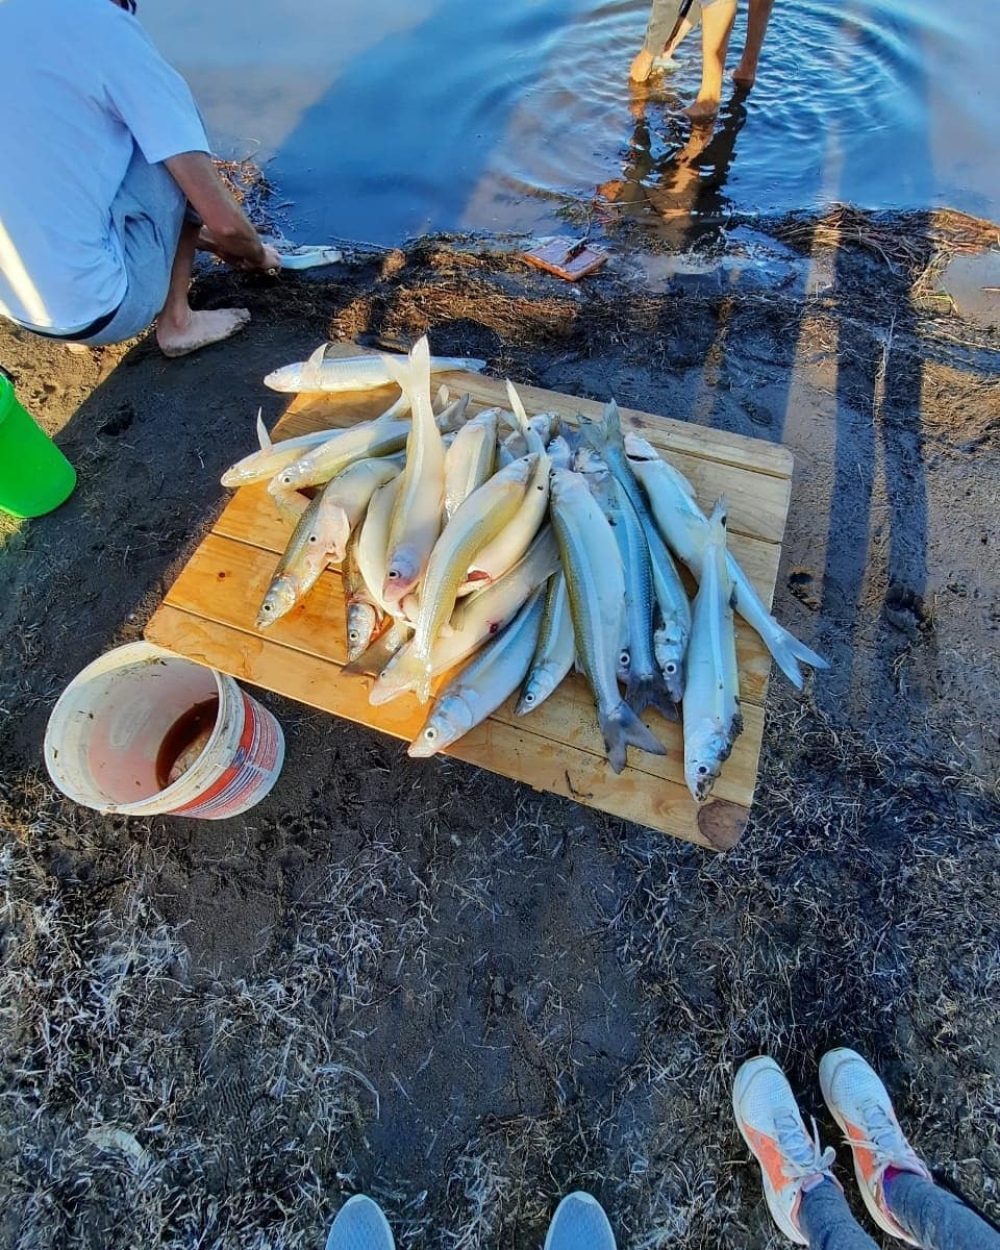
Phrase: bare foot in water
x=199 y=329
x=642 y=66
x=703 y=109
x=745 y=75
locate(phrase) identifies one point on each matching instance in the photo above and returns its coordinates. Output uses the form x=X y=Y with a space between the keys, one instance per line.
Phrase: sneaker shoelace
x=884 y=1139
x=804 y=1157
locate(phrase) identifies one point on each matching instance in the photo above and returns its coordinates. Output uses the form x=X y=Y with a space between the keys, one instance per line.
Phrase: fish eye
x=624 y=659
x=529 y=697
x=393 y=575
x=702 y=770
x=266 y=607
x=313 y=538
x=430 y=733
x=670 y=669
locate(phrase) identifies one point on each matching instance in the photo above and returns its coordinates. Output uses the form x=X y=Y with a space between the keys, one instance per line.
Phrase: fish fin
x=290 y=505
x=262 y=435
x=312 y=370
x=787 y=651
x=650 y=691
x=441 y=398
x=622 y=727
x=453 y=417
x=613 y=424
x=404 y=672
x=412 y=371
x=372 y=661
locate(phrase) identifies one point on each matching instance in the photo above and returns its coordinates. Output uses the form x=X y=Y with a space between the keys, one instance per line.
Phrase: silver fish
x=301 y=563
x=419 y=507
x=685 y=527
x=644 y=681
x=364 y=615
x=353 y=373
x=480 y=616
x=556 y=648
x=675 y=608
x=477 y=519
x=712 y=719
x=483 y=685
x=596 y=582
x=271 y=457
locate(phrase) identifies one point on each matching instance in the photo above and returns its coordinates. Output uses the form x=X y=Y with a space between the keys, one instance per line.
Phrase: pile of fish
x=506 y=551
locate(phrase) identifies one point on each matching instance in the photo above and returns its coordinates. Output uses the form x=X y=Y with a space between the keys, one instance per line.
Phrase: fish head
x=280 y=598
x=401 y=573
x=706 y=748
x=536 y=690
x=559 y=452
x=286 y=379
x=287 y=479
x=361 y=622
x=669 y=647
x=452 y=717
x=624 y=670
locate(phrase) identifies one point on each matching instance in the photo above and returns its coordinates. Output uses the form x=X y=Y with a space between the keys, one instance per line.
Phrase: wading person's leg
x=658 y=43
x=716 y=26
x=180 y=328
x=758 y=16
x=895 y=1183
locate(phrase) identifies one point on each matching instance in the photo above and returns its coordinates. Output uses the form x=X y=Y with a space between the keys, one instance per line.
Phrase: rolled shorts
x=148 y=213
x=663 y=16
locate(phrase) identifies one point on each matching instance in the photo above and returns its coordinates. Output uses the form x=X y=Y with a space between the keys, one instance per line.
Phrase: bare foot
x=745 y=75
x=642 y=66
x=702 y=110
x=199 y=329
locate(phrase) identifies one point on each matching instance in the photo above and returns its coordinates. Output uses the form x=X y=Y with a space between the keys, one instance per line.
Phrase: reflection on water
x=387 y=119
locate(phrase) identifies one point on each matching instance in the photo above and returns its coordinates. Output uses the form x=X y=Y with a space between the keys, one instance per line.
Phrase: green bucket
x=35 y=476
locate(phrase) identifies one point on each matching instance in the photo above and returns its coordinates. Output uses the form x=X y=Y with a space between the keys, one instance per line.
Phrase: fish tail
x=787 y=650
x=650 y=690
x=613 y=425
x=621 y=727
x=412 y=375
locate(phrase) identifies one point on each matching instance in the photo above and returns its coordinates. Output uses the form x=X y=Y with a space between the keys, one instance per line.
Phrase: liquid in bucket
x=143 y=732
x=35 y=476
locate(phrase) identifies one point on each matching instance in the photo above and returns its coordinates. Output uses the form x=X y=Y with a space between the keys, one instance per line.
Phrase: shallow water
x=379 y=121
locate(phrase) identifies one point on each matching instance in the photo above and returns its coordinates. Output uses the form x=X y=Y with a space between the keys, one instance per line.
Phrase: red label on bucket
x=251 y=770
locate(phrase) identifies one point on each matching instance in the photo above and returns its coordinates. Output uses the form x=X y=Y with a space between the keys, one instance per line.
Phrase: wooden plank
x=225 y=581
x=210 y=611
x=512 y=750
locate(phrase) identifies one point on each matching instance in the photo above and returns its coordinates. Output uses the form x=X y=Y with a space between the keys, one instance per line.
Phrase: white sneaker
x=862 y=1107
x=360 y=1225
x=580 y=1224
x=790 y=1159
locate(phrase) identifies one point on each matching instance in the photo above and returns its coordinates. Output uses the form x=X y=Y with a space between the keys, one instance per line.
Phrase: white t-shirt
x=80 y=81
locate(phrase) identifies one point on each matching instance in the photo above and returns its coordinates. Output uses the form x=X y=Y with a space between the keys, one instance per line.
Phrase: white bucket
x=107 y=733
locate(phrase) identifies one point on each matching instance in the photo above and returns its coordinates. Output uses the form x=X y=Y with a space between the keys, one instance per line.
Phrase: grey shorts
x=663 y=17
x=148 y=213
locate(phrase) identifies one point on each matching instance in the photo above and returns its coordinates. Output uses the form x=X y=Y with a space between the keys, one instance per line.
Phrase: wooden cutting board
x=208 y=616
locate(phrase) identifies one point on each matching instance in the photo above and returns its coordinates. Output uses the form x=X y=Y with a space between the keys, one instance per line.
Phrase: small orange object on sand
x=571 y=259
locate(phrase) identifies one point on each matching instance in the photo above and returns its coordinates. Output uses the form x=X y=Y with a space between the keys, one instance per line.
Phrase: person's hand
x=272 y=259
